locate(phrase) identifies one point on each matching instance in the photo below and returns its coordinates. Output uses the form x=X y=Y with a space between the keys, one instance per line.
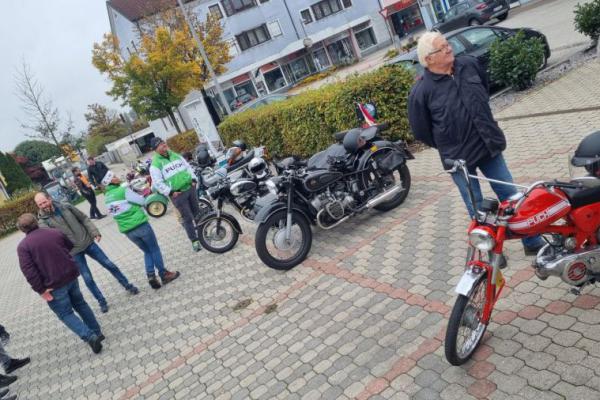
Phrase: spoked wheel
x=217 y=235
x=465 y=327
x=273 y=246
x=400 y=176
x=156 y=209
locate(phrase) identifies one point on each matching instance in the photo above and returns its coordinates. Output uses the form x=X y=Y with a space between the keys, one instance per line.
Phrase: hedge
x=184 y=141
x=12 y=209
x=305 y=124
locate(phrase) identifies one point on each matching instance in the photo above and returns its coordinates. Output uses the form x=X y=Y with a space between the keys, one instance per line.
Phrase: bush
x=305 y=124
x=12 y=209
x=37 y=151
x=184 y=141
x=515 y=62
x=587 y=19
x=391 y=53
x=14 y=175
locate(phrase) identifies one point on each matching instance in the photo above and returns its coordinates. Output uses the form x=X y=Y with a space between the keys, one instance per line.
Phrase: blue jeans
x=94 y=251
x=68 y=300
x=143 y=236
x=4 y=357
x=492 y=168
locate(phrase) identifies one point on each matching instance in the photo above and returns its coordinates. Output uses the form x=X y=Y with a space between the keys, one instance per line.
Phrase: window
x=481 y=37
x=457 y=47
x=215 y=11
x=326 y=8
x=306 y=17
x=274 y=28
x=347 y=3
x=365 y=38
x=253 y=37
x=235 y=6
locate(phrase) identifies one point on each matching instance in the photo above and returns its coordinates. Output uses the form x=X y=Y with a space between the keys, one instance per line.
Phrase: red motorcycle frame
x=544 y=208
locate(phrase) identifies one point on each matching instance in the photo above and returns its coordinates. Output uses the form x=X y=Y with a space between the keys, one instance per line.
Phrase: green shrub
x=391 y=53
x=184 y=141
x=515 y=62
x=14 y=175
x=12 y=209
x=587 y=19
x=305 y=124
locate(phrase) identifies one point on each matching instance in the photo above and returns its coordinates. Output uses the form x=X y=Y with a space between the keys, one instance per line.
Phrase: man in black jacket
x=96 y=171
x=448 y=109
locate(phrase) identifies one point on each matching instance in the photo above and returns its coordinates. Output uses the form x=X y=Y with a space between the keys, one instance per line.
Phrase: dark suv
x=472 y=12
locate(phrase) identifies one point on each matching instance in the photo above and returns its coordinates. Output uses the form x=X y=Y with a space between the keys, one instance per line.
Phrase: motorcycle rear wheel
x=465 y=328
x=266 y=246
x=400 y=175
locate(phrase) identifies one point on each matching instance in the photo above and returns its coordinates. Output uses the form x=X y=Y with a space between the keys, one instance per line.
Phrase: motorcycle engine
x=333 y=203
x=573 y=267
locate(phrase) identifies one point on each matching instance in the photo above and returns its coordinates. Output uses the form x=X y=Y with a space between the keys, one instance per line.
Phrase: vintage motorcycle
x=360 y=172
x=567 y=213
x=218 y=231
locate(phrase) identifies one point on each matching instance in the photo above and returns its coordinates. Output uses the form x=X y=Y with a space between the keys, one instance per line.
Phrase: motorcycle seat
x=583 y=196
x=321 y=159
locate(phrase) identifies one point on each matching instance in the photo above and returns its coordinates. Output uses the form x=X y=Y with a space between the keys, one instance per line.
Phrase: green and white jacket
x=125 y=206
x=171 y=174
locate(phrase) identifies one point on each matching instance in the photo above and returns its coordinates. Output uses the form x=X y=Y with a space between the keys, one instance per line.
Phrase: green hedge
x=184 y=141
x=12 y=209
x=305 y=124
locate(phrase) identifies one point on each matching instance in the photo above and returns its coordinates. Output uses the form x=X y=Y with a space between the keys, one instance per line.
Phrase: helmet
x=203 y=156
x=239 y=143
x=258 y=167
x=588 y=154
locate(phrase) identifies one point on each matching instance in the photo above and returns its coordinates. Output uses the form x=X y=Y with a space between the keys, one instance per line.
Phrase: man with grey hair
x=48 y=266
x=448 y=109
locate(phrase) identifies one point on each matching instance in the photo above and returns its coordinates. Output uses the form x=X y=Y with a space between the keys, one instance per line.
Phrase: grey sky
x=55 y=37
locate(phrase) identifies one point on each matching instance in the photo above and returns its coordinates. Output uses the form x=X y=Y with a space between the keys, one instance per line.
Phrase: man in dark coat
x=448 y=109
x=87 y=191
x=51 y=271
x=96 y=171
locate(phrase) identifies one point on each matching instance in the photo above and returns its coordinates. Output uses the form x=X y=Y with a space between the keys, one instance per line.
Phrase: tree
x=36 y=151
x=42 y=117
x=104 y=122
x=35 y=172
x=167 y=64
x=16 y=178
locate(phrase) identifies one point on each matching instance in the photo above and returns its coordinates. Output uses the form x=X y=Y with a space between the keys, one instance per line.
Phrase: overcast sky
x=55 y=37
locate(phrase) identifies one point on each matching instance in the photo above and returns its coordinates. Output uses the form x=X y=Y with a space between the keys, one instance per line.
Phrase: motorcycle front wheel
x=277 y=251
x=465 y=327
x=217 y=235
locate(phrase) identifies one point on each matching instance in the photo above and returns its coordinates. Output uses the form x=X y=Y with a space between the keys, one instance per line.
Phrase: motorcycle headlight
x=482 y=239
x=272 y=186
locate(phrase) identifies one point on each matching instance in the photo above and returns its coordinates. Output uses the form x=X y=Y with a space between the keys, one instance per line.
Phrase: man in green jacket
x=126 y=207
x=173 y=177
x=81 y=232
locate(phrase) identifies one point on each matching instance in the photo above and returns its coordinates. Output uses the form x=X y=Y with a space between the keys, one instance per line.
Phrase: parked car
x=262 y=101
x=472 y=12
x=241 y=100
x=474 y=41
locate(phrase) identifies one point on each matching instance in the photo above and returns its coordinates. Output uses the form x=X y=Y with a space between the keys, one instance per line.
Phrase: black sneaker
x=95 y=343
x=133 y=290
x=154 y=283
x=6 y=380
x=101 y=337
x=3 y=393
x=16 y=363
x=104 y=308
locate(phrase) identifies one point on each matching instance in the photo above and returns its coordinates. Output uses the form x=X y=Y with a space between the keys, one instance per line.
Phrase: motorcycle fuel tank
x=541 y=208
x=319 y=179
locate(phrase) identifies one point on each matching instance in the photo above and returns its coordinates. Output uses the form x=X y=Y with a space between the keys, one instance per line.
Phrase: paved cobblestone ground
x=363 y=317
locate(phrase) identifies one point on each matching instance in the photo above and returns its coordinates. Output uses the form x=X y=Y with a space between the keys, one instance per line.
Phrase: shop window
x=235 y=6
x=326 y=8
x=320 y=59
x=306 y=17
x=366 y=38
x=215 y=11
x=275 y=80
x=253 y=37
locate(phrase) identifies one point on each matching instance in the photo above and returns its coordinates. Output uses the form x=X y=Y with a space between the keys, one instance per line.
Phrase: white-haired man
x=448 y=109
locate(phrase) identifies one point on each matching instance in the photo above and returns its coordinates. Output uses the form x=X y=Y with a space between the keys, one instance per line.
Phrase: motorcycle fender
x=156 y=197
x=467 y=282
x=213 y=215
x=272 y=208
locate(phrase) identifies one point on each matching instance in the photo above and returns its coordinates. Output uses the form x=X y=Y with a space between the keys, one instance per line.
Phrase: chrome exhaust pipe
x=380 y=198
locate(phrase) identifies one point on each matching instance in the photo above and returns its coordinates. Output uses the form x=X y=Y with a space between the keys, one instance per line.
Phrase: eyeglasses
x=445 y=47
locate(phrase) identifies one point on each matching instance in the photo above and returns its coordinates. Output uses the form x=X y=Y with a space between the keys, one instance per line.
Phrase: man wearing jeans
x=448 y=109
x=173 y=177
x=82 y=233
x=126 y=208
x=48 y=266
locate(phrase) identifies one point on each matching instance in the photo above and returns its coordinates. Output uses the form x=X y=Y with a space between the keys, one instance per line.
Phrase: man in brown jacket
x=82 y=232
x=51 y=271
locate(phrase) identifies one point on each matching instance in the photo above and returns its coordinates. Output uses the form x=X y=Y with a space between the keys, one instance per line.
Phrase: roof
x=135 y=10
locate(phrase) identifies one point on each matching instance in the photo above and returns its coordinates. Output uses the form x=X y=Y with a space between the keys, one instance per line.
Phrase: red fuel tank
x=541 y=208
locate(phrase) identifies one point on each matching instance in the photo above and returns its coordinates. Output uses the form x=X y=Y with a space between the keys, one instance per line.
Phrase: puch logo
x=173 y=167
x=538 y=218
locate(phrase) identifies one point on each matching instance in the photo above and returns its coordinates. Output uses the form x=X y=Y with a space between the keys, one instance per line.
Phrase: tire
x=156 y=209
x=457 y=321
x=276 y=224
x=474 y=22
x=207 y=232
x=502 y=17
x=544 y=62
x=404 y=177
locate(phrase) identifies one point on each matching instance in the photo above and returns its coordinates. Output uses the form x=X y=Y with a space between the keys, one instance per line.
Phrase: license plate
x=498 y=8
